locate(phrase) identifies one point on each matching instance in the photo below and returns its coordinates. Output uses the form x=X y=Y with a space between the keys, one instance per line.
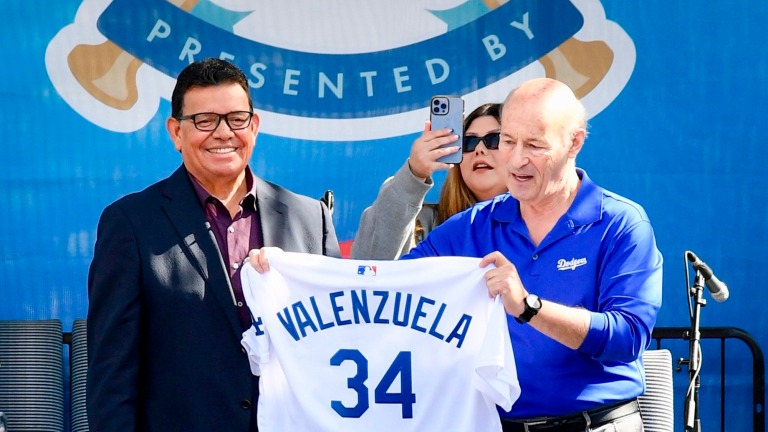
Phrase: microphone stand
x=695 y=294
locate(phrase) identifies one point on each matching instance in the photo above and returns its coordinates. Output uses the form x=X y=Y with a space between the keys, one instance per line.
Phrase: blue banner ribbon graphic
x=401 y=79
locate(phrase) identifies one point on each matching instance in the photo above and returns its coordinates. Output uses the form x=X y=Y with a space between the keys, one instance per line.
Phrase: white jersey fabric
x=350 y=345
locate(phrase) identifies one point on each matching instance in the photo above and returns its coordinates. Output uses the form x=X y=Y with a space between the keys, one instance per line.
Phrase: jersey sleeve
x=496 y=370
x=255 y=340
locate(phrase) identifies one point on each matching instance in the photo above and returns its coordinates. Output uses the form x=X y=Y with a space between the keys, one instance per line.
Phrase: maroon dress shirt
x=235 y=236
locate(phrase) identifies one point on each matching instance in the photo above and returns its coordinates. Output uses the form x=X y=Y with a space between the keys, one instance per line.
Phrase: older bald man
x=577 y=268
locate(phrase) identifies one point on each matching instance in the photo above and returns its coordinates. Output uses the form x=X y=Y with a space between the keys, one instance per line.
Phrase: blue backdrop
x=677 y=129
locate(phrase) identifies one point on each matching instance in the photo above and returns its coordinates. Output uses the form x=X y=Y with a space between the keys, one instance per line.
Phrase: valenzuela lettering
x=570 y=265
x=421 y=314
x=341 y=85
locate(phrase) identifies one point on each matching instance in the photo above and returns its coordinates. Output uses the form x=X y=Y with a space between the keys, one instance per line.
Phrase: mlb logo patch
x=366 y=270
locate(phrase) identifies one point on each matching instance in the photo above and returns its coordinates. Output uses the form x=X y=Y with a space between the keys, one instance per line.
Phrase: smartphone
x=447 y=112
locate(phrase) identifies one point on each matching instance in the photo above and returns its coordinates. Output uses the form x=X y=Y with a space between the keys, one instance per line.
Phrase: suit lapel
x=273 y=215
x=187 y=217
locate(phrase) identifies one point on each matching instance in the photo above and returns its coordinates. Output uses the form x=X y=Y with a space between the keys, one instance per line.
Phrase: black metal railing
x=758 y=365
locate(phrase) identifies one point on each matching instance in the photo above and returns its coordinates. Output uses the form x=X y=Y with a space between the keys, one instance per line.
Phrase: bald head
x=542 y=132
x=554 y=100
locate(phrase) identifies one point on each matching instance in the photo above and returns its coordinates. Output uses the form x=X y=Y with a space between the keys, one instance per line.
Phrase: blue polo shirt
x=602 y=256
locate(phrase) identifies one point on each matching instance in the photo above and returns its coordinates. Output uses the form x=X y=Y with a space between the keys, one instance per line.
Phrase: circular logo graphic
x=333 y=70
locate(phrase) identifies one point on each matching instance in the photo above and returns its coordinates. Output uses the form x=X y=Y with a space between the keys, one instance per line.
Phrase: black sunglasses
x=491 y=142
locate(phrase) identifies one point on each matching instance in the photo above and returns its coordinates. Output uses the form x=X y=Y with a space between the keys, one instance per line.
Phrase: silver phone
x=447 y=112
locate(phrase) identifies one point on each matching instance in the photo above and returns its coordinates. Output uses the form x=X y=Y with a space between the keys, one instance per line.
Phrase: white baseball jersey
x=349 y=345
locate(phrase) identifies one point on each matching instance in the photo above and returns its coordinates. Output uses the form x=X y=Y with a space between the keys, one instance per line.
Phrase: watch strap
x=527 y=314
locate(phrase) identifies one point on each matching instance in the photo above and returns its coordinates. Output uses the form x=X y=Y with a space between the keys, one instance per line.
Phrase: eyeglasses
x=236 y=120
x=491 y=142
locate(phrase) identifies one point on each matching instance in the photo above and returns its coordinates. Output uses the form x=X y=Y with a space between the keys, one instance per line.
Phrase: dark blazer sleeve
x=114 y=325
x=330 y=242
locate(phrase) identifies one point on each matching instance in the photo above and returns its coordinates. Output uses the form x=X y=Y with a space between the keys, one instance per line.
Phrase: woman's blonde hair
x=455 y=196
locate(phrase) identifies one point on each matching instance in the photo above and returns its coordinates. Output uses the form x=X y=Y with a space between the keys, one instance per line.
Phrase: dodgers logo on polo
x=331 y=70
x=563 y=264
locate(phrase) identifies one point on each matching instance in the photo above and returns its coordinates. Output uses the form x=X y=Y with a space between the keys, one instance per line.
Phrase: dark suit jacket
x=163 y=334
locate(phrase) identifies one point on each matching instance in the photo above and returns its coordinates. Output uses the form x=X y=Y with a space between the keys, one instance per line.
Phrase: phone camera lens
x=436 y=110
x=437 y=102
x=443 y=106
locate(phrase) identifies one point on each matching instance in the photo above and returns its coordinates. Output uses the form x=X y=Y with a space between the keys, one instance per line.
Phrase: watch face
x=533 y=301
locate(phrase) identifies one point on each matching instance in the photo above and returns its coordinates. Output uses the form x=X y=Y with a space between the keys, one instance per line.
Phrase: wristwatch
x=532 y=304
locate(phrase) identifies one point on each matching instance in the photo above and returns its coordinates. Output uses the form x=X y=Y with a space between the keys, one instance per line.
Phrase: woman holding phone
x=399 y=219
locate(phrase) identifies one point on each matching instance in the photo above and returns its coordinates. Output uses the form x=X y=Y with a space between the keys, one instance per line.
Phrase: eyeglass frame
x=484 y=139
x=218 y=122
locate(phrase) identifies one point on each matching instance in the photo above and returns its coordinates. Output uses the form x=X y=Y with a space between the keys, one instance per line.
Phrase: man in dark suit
x=166 y=309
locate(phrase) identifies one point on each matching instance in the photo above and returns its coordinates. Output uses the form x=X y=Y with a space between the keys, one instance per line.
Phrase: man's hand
x=504 y=281
x=259 y=257
x=567 y=325
x=426 y=150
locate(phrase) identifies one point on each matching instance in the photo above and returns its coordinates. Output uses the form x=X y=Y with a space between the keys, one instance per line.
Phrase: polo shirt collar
x=586 y=208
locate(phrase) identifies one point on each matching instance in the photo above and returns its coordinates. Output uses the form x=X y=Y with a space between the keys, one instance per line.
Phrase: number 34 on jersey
x=414 y=345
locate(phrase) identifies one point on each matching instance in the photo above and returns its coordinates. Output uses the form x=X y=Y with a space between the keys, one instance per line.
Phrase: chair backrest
x=78 y=359
x=31 y=375
x=657 y=404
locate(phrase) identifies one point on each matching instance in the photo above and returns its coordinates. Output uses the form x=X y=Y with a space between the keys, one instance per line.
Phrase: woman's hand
x=426 y=150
